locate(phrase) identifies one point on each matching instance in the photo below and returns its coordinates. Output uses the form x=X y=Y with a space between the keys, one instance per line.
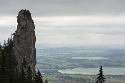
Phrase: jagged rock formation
x=24 y=42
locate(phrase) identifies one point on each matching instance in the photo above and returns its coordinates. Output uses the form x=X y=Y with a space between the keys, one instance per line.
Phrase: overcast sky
x=68 y=22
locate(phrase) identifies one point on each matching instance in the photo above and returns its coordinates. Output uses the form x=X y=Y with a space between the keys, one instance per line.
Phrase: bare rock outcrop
x=24 y=42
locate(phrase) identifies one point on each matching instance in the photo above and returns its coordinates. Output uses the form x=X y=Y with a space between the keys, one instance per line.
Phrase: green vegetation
x=8 y=64
x=67 y=77
x=116 y=81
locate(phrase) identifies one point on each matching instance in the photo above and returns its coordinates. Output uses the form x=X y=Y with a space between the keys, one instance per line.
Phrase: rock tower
x=24 y=42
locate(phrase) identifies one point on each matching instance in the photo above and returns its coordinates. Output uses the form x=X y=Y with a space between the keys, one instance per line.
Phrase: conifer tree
x=39 y=77
x=1 y=67
x=17 y=76
x=29 y=73
x=23 y=76
x=46 y=81
x=0 y=48
x=100 y=78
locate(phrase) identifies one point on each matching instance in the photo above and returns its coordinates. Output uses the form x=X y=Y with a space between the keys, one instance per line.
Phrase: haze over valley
x=62 y=58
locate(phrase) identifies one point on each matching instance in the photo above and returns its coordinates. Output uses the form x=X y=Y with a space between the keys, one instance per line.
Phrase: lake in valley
x=94 y=71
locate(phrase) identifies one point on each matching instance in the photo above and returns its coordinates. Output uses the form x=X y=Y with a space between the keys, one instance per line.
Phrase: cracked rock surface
x=24 y=42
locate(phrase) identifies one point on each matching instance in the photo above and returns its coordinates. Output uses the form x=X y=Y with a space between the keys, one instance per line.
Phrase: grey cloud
x=87 y=26
x=7 y=29
x=112 y=31
x=64 y=7
x=68 y=31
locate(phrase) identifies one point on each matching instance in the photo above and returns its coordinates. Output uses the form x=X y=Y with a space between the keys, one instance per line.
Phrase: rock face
x=24 y=42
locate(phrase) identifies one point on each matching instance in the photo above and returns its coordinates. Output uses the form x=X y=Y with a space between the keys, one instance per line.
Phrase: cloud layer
x=68 y=22
x=64 y=7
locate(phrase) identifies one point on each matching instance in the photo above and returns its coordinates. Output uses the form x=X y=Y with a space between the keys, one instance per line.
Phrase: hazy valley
x=83 y=61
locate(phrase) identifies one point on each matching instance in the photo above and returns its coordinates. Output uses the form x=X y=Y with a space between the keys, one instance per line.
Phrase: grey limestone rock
x=24 y=42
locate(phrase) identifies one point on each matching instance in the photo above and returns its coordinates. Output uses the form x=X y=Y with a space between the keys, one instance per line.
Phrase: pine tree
x=17 y=76
x=29 y=77
x=22 y=76
x=39 y=77
x=2 y=69
x=46 y=81
x=7 y=62
x=100 y=78
x=0 y=48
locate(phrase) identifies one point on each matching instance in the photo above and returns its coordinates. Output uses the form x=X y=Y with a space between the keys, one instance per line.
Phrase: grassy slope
x=117 y=81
